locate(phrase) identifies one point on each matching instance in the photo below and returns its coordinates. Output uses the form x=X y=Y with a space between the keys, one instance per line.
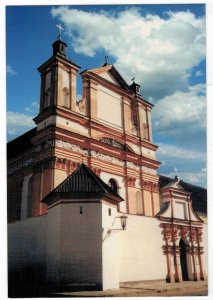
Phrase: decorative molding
x=97 y=171
x=175 y=232
x=184 y=231
x=81 y=105
x=148 y=170
x=72 y=147
x=107 y=158
x=132 y=166
x=113 y=143
x=131 y=181
x=18 y=167
x=167 y=231
x=199 y=234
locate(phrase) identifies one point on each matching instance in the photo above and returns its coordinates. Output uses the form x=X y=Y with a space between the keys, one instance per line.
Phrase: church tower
x=109 y=130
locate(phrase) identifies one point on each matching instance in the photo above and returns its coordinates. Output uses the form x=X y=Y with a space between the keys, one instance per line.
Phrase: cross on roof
x=60 y=28
x=106 y=56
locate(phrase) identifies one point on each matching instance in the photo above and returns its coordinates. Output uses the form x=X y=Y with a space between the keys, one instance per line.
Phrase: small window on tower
x=137 y=89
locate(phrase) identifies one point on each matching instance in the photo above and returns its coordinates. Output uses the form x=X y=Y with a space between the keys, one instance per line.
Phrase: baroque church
x=84 y=194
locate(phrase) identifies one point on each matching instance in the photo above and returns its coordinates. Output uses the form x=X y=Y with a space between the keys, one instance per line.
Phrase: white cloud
x=18 y=123
x=181 y=112
x=199 y=73
x=161 y=51
x=171 y=151
x=10 y=71
x=33 y=108
x=196 y=178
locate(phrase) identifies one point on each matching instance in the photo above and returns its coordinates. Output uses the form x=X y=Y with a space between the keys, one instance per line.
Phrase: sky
x=162 y=46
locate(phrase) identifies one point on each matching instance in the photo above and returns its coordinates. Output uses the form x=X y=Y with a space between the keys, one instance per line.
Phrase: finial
x=106 y=57
x=60 y=28
x=177 y=178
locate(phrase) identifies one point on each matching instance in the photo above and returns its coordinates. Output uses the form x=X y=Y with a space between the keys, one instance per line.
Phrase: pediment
x=110 y=73
x=180 y=210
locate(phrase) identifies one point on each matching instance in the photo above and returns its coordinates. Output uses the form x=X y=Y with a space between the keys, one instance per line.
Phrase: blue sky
x=162 y=45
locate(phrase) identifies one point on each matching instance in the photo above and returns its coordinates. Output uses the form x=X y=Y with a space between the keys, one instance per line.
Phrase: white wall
x=120 y=180
x=106 y=100
x=110 y=246
x=141 y=250
x=79 y=242
x=27 y=246
x=205 y=245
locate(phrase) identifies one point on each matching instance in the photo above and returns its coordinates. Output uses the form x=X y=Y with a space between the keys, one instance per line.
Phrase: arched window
x=138 y=200
x=65 y=99
x=112 y=183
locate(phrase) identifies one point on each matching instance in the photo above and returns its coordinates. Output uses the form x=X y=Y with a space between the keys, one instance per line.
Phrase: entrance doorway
x=183 y=260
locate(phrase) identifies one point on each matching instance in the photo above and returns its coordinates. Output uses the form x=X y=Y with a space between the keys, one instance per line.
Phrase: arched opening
x=183 y=260
x=112 y=183
x=139 y=207
x=65 y=99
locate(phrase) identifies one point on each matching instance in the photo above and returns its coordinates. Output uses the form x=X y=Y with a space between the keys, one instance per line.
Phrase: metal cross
x=60 y=28
x=106 y=57
x=133 y=75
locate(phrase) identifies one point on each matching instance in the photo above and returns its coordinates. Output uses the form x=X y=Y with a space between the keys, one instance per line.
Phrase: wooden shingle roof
x=83 y=183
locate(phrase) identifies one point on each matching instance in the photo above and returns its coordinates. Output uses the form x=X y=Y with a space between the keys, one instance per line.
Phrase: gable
x=109 y=77
x=110 y=73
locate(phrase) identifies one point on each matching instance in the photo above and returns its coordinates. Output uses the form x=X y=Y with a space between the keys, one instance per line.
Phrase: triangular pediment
x=110 y=73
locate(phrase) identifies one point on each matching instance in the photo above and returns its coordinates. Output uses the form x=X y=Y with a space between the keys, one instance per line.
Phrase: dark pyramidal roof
x=83 y=183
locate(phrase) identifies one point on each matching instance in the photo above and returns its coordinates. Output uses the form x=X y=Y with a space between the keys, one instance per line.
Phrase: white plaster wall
x=205 y=245
x=106 y=100
x=53 y=244
x=72 y=126
x=48 y=121
x=180 y=210
x=141 y=255
x=27 y=245
x=66 y=79
x=111 y=246
x=148 y=152
x=108 y=77
x=81 y=244
x=121 y=187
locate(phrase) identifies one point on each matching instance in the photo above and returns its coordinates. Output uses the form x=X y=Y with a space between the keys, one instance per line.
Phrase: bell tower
x=58 y=81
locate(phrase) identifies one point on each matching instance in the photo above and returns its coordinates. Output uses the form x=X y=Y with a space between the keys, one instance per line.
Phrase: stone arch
x=65 y=97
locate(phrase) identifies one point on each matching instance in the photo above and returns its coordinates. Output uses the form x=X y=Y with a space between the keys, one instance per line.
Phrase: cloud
x=199 y=73
x=161 y=51
x=18 y=123
x=33 y=108
x=171 y=151
x=181 y=113
x=195 y=178
x=190 y=164
x=10 y=71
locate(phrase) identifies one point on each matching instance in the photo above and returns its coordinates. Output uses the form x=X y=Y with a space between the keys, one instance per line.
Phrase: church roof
x=21 y=144
x=83 y=183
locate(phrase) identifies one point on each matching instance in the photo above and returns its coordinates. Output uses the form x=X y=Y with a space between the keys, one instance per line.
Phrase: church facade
x=84 y=194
